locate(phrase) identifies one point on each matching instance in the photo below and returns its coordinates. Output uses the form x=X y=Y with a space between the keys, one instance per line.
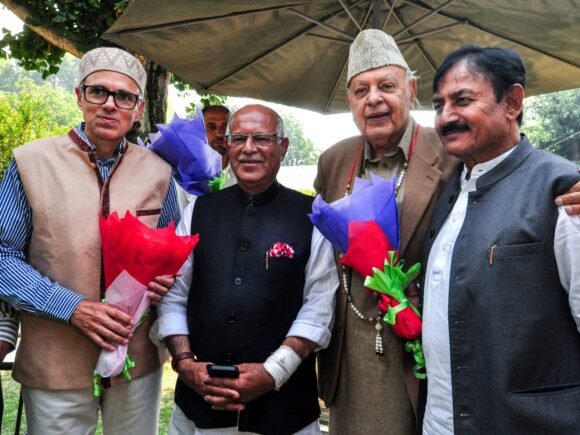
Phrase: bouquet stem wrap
x=133 y=255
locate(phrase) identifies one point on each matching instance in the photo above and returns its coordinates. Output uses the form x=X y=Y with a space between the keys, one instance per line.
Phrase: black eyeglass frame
x=109 y=93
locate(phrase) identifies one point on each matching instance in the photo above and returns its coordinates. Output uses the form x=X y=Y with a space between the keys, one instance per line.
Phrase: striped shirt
x=20 y=284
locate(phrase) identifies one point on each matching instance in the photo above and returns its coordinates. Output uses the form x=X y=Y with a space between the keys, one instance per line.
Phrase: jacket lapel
x=421 y=182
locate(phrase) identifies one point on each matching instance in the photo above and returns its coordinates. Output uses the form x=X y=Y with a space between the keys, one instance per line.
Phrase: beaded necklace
x=346 y=288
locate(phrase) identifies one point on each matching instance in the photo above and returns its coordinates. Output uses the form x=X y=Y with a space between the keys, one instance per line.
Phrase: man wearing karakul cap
x=367 y=393
x=50 y=258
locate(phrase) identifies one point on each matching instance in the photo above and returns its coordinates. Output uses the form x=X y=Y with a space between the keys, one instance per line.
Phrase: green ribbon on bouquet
x=129 y=364
x=392 y=281
x=417 y=350
x=218 y=183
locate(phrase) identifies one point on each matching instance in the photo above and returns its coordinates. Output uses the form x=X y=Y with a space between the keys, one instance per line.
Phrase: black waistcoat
x=242 y=302
x=515 y=350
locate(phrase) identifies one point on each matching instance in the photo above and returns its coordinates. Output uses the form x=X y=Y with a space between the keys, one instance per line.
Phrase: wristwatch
x=181 y=356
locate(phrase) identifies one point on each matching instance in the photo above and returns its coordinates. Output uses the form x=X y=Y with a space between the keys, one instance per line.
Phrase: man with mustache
x=257 y=293
x=50 y=258
x=366 y=390
x=502 y=284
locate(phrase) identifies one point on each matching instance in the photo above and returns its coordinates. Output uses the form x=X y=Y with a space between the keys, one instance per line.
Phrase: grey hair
x=279 y=123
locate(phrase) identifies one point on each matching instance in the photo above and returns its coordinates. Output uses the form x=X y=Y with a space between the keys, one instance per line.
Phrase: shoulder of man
x=432 y=150
x=147 y=154
x=562 y=170
x=42 y=145
x=297 y=196
x=344 y=147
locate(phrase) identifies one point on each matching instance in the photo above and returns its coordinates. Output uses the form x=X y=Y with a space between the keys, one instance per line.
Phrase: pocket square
x=281 y=250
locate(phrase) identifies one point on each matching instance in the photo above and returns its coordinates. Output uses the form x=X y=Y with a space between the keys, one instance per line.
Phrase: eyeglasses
x=100 y=95
x=259 y=139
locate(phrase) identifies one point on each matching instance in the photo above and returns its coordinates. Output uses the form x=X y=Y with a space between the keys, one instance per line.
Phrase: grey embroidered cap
x=372 y=49
x=112 y=59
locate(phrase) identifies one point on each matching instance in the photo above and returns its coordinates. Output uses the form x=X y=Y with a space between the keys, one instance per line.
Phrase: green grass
x=11 y=392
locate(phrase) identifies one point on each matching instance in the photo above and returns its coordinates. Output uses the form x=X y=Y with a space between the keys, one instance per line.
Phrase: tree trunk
x=156 y=92
x=156 y=95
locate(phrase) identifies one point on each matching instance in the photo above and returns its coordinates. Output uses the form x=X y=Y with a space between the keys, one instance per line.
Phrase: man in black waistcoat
x=257 y=293
x=502 y=284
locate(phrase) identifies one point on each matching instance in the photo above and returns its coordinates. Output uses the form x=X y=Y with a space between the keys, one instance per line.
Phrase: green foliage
x=301 y=150
x=32 y=112
x=65 y=78
x=81 y=22
x=33 y=52
x=205 y=101
x=552 y=122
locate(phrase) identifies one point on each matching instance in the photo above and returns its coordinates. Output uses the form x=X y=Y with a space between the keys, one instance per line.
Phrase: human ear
x=514 y=100
x=284 y=147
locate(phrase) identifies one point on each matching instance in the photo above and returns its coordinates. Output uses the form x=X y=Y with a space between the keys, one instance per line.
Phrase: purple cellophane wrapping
x=183 y=144
x=372 y=199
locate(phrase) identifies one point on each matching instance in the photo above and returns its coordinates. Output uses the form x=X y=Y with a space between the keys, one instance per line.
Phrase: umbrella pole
x=378 y=15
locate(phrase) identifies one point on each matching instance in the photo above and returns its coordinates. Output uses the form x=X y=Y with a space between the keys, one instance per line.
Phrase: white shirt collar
x=482 y=168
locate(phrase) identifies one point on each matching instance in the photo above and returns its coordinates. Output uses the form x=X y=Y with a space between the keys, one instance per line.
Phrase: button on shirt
x=439 y=411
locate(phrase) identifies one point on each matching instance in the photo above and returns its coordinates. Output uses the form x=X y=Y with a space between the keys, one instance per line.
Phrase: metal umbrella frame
x=296 y=53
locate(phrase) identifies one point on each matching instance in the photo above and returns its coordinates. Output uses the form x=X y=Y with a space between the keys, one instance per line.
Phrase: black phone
x=219 y=371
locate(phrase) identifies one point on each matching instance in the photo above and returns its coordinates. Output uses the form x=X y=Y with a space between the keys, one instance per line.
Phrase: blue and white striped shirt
x=20 y=284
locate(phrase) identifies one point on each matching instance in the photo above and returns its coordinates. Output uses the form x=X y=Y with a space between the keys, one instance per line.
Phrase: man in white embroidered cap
x=366 y=389
x=50 y=259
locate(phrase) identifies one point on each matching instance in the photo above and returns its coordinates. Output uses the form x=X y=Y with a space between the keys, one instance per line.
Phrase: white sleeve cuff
x=310 y=331
x=172 y=324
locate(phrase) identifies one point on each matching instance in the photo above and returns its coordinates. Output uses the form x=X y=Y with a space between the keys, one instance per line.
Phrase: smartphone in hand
x=222 y=371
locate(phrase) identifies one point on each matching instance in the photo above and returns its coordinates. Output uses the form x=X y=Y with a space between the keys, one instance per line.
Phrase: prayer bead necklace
x=379 y=350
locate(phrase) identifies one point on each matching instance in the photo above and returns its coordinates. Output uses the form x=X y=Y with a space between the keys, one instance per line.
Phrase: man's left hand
x=159 y=287
x=570 y=200
x=253 y=382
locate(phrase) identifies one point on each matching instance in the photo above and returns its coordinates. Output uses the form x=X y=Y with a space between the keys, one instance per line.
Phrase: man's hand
x=195 y=376
x=103 y=324
x=5 y=349
x=570 y=200
x=253 y=382
x=159 y=288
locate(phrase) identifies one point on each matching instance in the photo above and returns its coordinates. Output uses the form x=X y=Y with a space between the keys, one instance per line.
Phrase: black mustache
x=455 y=127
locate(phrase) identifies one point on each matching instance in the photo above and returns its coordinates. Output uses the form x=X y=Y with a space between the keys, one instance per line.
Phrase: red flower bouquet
x=364 y=227
x=133 y=255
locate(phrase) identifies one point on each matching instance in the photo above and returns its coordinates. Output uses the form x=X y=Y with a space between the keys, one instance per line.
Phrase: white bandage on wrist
x=282 y=364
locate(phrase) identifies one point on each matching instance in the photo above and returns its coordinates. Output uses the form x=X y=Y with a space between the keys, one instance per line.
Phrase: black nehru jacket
x=242 y=303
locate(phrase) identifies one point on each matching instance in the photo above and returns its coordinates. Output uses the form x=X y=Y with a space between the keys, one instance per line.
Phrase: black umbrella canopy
x=296 y=53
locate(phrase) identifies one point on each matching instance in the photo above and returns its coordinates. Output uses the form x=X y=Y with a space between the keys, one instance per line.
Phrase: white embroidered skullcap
x=372 y=49
x=112 y=59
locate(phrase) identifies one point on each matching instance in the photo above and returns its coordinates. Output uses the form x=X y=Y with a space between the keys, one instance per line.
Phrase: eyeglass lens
x=260 y=139
x=99 y=95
